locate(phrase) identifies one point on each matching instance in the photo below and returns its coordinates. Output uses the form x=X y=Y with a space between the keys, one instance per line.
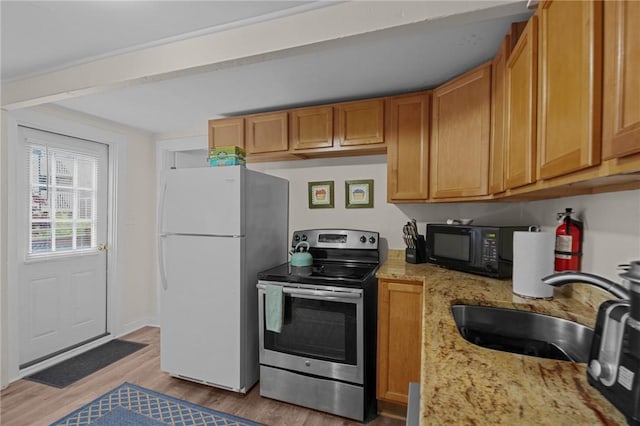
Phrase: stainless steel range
x=324 y=355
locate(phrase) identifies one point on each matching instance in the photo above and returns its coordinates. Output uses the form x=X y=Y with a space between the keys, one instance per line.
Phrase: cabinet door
x=267 y=133
x=460 y=135
x=226 y=132
x=399 y=338
x=311 y=128
x=360 y=123
x=407 y=136
x=521 y=83
x=569 y=79
x=498 y=118
x=621 y=106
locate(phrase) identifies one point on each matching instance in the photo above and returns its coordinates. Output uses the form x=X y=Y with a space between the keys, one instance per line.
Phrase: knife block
x=418 y=254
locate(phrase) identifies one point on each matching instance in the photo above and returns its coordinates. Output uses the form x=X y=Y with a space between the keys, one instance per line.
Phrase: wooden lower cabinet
x=399 y=338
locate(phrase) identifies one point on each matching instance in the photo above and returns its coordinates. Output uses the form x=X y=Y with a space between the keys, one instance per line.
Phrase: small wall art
x=358 y=194
x=321 y=195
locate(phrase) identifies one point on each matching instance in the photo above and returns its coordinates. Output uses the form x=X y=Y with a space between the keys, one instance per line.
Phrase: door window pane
x=39 y=203
x=64 y=236
x=41 y=237
x=63 y=200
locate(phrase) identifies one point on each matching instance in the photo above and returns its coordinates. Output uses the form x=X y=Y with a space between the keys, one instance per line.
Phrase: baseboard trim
x=136 y=325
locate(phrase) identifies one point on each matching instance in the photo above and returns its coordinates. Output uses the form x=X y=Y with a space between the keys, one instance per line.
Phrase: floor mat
x=129 y=404
x=67 y=372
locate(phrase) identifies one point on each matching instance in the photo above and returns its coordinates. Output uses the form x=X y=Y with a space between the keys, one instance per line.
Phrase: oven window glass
x=452 y=246
x=317 y=329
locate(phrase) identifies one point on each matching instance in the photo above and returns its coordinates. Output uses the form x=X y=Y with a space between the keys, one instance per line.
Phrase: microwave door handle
x=476 y=239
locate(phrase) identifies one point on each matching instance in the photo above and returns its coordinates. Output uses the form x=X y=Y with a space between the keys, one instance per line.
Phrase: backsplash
x=612 y=228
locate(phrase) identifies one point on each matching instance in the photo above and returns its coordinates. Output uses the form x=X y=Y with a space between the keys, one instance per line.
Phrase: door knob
x=103 y=247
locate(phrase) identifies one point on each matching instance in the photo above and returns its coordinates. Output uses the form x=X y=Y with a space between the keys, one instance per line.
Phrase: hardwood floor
x=29 y=403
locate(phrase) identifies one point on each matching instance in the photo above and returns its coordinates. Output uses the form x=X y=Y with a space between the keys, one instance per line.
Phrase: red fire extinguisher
x=569 y=235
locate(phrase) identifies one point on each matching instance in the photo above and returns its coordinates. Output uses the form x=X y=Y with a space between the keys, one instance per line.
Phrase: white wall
x=612 y=220
x=611 y=223
x=132 y=270
x=139 y=295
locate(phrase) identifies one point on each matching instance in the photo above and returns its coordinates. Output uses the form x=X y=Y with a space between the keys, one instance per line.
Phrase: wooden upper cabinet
x=399 y=338
x=621 y=106
x=407 y=136
x=515 y=31
x=266 y=133
x=311 y=128
x=498 y=118
x=461 y=121
x=569 y=86
x=521 y=84
x=226 y=132
x=360 y=122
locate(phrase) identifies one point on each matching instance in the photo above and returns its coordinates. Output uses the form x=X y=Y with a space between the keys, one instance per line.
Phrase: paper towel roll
x=532 y=260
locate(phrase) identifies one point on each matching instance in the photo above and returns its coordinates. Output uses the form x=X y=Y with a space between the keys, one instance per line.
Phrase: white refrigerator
x=218 y=227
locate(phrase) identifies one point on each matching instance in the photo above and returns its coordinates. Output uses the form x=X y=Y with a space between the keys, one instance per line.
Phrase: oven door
x=322 y=331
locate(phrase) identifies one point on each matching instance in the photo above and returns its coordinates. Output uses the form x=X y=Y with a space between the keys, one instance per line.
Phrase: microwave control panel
x=489 y=247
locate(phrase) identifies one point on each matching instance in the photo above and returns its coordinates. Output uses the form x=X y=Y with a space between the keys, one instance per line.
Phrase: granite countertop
x=462 y=383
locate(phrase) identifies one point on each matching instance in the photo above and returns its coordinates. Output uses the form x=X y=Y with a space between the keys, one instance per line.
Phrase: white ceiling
x=41 y=37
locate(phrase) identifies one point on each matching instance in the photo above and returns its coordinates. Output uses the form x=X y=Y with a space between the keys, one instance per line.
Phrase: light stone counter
x=466 y=384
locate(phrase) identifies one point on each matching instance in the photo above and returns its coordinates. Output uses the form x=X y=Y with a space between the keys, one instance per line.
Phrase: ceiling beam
x=254 y=42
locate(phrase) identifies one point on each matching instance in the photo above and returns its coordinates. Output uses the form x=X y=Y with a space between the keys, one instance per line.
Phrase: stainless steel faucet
x=561 y=278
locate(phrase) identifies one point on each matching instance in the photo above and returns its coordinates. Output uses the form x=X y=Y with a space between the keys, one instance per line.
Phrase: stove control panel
x=337 y=238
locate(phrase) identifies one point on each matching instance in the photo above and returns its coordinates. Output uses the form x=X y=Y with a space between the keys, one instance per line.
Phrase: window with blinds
x=63 y=204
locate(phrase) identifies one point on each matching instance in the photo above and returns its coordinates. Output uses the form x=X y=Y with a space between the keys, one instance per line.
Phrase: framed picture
x=321 y=195
x=358 y=194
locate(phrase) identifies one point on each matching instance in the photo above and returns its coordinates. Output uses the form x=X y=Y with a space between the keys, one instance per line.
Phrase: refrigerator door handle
x=162 y=237
x=161 y=206
x=163 y=274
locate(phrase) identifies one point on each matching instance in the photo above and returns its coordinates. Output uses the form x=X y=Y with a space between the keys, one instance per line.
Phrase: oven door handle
x=317 y=293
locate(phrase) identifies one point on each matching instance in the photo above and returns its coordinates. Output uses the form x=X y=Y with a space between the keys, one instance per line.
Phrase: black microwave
x=483 y=250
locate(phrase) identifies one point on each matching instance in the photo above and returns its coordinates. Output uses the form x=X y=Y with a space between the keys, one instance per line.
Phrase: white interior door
x=63 y=234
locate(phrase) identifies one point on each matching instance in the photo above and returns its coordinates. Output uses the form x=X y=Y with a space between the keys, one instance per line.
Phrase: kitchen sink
x=523 y=332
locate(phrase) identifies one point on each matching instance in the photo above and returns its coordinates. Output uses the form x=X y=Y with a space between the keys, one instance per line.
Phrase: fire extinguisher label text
x=563 y=244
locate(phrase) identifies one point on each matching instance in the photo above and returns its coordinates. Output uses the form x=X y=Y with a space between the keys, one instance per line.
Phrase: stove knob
x=304 y=237
x=363 y=239
x=297 y=238
x=372 y=240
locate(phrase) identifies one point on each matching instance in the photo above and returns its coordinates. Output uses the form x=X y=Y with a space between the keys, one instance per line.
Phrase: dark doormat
x=80 y=366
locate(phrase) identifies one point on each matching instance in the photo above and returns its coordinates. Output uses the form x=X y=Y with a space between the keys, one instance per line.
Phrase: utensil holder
x=418 y=254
